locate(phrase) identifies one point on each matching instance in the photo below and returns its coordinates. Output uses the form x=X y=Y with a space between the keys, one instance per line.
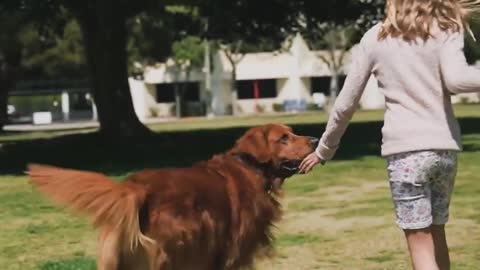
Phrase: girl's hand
x=309 y=162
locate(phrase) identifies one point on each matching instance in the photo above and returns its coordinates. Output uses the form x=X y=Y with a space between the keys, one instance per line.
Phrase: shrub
x=278 y=107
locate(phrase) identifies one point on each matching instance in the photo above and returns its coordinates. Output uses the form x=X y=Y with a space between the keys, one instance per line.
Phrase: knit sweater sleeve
x=347 y=102
x=458 y=75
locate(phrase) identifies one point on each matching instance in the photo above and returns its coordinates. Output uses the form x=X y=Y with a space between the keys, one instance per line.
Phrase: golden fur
x=215 y=215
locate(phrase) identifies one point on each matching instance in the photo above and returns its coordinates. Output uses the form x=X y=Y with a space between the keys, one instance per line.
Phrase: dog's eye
x=284 y=139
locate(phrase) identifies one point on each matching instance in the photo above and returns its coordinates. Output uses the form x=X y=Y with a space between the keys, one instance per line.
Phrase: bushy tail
x=108 y=203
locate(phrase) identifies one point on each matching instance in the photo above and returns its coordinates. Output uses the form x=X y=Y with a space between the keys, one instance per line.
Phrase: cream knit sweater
x=417 y=79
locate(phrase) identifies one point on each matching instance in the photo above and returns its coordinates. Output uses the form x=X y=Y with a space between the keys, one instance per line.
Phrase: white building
x=274 y=78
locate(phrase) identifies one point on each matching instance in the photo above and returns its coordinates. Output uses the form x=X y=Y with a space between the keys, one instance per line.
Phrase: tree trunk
x=183 y=102
x=104 y=31
x=208 y=81
x=180 y=89
x=234 y=90
x=233 y=84
x=8 y=71
x=4 y=89
x=333 y=90
x=178 y=100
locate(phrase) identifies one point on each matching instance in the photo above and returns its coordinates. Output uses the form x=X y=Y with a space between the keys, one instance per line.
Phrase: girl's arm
x=346 y=103
x=458 y=76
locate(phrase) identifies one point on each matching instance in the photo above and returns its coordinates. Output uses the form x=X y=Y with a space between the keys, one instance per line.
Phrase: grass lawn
x=340 y=216
x=227 y=122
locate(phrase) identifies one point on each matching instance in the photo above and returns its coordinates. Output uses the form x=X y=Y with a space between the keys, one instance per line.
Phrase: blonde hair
x=412 y=19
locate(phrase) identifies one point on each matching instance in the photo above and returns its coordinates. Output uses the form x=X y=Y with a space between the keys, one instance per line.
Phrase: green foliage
x=10 y=45
x=278 y=107
x=336 y=37
x=337 y=24
x=38 y=51
x=151 y=35
x=247 y=20
x=472 y=47
x=62 y=57
x=188 y=51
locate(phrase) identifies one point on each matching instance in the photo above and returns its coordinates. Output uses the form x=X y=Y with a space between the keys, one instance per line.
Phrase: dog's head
x=275 y=146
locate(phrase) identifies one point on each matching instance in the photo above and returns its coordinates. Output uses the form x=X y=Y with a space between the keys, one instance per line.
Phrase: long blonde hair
x=412 y=19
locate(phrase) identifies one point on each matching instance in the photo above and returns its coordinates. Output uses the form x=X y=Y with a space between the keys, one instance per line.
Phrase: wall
x=372 y=98
x=294 y=88
x=249 y=106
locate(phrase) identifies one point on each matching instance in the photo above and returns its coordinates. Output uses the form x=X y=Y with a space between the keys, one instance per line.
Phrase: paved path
x=72 y=125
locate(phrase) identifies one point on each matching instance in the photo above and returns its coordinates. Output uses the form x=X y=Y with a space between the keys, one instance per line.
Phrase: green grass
x=340 y=216
x=299 y=239
x=384 y=256
x=228 y=122
x=80 y=263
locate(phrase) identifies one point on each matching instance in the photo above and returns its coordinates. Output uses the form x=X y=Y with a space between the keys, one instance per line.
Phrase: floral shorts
x=421 y=184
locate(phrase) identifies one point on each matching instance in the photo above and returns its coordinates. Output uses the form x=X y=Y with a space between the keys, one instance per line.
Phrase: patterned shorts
x=421 y=184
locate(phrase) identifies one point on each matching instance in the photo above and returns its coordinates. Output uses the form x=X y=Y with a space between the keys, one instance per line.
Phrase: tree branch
x=229 y=55
x=341 y=59
x=325 y=60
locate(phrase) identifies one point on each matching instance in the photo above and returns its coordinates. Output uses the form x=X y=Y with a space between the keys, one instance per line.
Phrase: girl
x=417 y=56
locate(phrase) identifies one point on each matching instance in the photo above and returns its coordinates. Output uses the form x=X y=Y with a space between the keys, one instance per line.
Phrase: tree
x=237 y=25
x=233 y=53
x=336 y=28
x=472 y=48
x=152 y=34
x=187 y=54
x=243 y=26
x=337 y=42
x=10 y=57
x=60 y=56
x=32 y=52
x=105 y=38
x=103 y=25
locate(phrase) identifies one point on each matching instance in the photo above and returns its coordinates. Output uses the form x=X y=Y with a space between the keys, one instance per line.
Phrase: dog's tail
x=109 y=204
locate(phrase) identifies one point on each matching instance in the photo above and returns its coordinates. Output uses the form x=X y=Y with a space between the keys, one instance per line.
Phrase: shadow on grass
x=174 y=149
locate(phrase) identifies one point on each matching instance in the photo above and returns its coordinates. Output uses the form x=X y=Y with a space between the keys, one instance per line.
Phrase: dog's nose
x=314 y=141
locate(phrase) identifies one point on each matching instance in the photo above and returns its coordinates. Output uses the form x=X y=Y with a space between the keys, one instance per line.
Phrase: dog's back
x=156 y=219
x=214 y=215
x=211 y=216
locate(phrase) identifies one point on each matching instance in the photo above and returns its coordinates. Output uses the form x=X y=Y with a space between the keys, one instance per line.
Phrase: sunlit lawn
x=338 y=217
x=228 y=122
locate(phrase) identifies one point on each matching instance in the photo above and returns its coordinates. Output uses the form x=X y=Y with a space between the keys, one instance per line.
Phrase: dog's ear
x=255 y=144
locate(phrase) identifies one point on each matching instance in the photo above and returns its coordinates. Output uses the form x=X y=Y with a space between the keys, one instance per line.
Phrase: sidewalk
x=73 y=125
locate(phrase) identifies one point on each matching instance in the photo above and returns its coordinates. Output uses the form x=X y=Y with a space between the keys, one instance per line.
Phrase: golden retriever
x=215 y=215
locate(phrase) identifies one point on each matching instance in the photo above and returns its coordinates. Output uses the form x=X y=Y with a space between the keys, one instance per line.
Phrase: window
x=192 y=92
x=266 y=89
x=322 y=84
x=166 y=92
